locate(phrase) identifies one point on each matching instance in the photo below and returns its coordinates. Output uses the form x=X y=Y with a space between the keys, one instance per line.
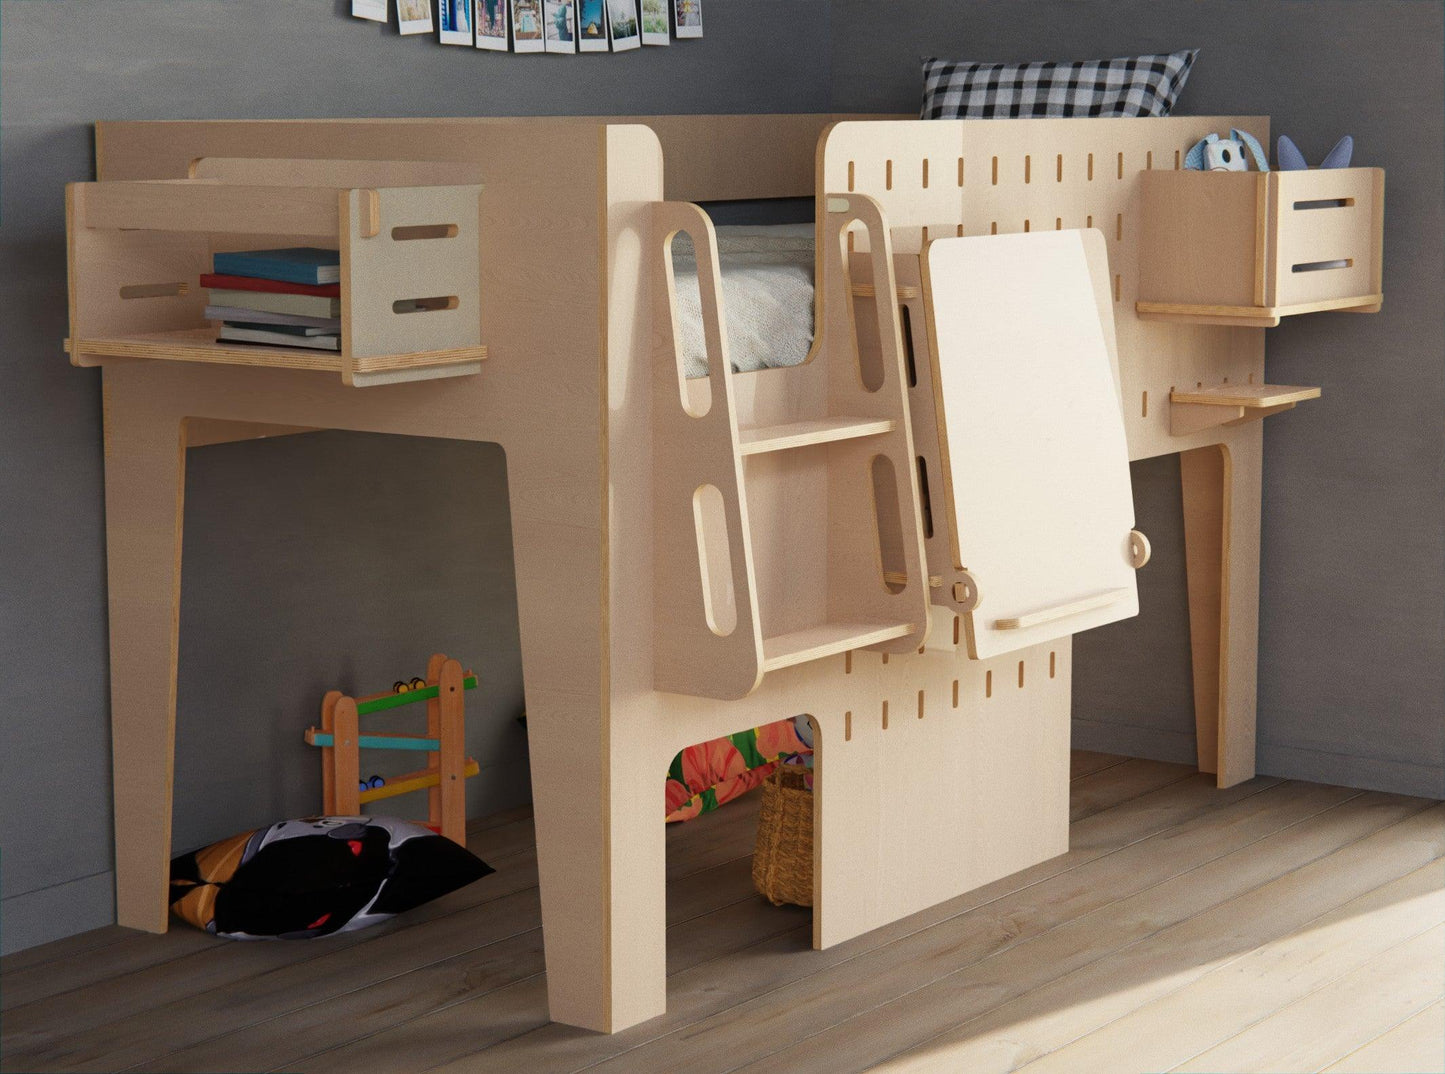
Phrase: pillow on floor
x=1126 y=86
x=707 y=775
x=312 y=877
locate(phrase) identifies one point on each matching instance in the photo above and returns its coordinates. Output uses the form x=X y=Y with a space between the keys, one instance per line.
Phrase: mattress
x=767 y=286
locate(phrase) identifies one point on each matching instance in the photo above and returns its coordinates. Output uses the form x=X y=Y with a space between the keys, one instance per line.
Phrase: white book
x=245 y=313
x=279 y=339
x=276 y=302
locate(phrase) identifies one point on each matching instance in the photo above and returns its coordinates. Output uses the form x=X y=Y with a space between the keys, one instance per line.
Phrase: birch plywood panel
x=944 y=178
x=1040 y=502
x=981 y=177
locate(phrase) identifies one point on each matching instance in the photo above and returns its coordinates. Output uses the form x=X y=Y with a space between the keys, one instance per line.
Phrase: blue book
x=295 y=264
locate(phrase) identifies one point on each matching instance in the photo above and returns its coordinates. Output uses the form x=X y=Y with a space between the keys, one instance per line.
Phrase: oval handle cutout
x=1325 y=203
x=689 y=333
x=889 y=524
x=714 y=560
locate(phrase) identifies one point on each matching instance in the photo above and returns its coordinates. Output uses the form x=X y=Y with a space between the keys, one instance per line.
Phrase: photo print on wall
x=622 y=17
x=414 y=16
x=558 y=26
x=687 y=17
x=591 y=26
x=490 y=19
x=559 y=21
x=455 y=17
x=654 y=22
x=527 y=26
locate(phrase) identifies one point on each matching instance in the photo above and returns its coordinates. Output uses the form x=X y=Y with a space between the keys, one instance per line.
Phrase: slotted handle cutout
x=154 y=290
x=434 y=304
x=1325 y=203
x=1323 y=266
x=413 y=232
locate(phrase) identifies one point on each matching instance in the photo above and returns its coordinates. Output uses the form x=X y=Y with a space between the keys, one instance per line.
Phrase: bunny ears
x=1292 y=160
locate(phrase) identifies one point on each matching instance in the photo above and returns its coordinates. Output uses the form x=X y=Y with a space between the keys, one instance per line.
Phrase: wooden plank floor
x=1274 y=926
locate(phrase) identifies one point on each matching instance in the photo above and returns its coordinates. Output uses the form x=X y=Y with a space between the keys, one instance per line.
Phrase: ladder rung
x=797 y=434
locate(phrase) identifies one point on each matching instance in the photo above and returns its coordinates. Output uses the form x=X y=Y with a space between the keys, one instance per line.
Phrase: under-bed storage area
x=408 y=259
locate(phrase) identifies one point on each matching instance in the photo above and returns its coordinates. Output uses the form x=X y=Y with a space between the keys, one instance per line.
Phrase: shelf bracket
x=1205 y=408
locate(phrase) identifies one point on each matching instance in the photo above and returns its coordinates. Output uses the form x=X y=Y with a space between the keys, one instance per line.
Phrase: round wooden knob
x=965 y=592
x=1138 y=549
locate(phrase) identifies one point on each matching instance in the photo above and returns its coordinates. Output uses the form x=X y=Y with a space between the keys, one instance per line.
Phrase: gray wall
x=1352 y=617
x=277 y=603
x=277 y=606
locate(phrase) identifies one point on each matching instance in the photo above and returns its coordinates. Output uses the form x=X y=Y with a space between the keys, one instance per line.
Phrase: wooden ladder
x=786 y=540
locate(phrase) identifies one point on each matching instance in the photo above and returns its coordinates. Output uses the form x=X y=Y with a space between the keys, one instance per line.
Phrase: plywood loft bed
x=897 y=537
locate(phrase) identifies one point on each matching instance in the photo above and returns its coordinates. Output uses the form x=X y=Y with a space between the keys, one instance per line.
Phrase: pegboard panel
x=937 y=178
x=936 y=773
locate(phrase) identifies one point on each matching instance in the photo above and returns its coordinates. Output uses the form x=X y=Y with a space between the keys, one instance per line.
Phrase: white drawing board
x=1039 y=496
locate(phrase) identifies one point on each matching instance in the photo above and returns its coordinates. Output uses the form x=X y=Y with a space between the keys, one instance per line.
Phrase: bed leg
x=144 y=487
x=1221 y=490
x=600 y=857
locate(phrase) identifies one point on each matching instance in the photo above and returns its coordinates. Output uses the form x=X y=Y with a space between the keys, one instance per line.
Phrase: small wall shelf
x=410 y=303
x=1194 y=410
x=1247 y=248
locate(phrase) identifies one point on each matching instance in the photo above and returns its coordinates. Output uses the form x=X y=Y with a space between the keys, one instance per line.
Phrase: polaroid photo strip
x=374 y=10
x=527 y=26
x=455 y=17
x=622 y=20
x=489 y=17
x=591 y=26
x=414 y=16
x=687 y=17
x=559 y=22
x=654 y=23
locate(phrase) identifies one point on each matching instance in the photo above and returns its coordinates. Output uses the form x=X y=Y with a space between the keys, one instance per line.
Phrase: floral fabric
x=704 y=776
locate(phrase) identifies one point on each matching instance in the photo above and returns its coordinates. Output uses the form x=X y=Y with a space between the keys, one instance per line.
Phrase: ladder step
x=797 y=434
x=814 y=643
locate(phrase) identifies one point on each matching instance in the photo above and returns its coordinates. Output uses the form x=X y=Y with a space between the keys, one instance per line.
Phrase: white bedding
x=767 y=285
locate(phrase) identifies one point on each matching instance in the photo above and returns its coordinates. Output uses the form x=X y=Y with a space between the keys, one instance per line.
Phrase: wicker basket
x=783 y=859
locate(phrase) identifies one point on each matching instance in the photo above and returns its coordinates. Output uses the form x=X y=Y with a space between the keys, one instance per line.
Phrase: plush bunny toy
x=1215 y=154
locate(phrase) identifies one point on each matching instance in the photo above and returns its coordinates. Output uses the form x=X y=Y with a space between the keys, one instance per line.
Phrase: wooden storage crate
x=1247 y=248
x=410 y=302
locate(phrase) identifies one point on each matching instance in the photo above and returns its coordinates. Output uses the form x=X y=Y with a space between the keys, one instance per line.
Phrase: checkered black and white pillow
x=1127 y=86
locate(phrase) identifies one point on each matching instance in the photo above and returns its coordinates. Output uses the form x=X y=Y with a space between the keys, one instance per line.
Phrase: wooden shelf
x=1251 y=316
x=408 y=258
x=1193 y=410
x=1249 y=248
x=829 y=639
x=201 y=345
x=798 y=434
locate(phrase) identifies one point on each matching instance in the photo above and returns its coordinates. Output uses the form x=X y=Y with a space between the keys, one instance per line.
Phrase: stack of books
x=287 y=298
